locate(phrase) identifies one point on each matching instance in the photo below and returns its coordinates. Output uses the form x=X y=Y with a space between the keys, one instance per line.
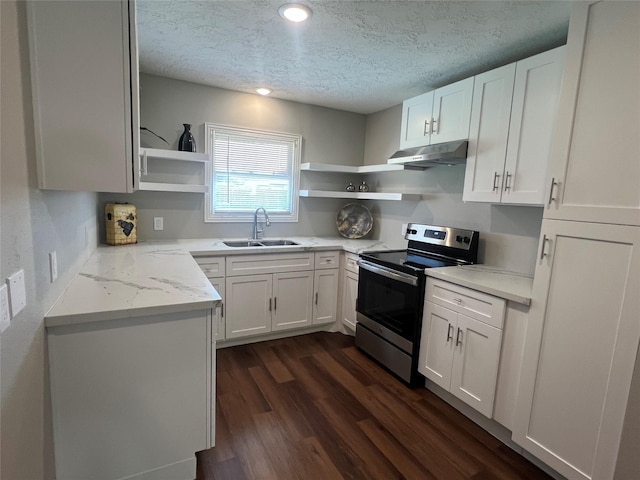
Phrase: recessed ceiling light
x=263 y=91
x=294 y=12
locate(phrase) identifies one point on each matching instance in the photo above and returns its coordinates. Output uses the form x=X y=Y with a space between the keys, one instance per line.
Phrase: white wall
x=508 y=234
x=329 y=136
x=32 y=223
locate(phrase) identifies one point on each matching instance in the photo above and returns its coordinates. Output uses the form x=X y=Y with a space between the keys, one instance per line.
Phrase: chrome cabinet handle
x=275 y=303
x=551 y=197
x=449 y=332
x=269 y=304
x=427 y=128
x=543 y=250
x=316 y=298
x=496 y=176
x=221 y=310
x=435 y=126
x=458 y=340
x=507 y=181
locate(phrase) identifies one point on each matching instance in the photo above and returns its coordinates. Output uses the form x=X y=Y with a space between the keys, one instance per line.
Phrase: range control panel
x=444 y=236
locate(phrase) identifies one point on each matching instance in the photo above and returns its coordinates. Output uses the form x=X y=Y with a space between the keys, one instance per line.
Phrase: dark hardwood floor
x=314 y=407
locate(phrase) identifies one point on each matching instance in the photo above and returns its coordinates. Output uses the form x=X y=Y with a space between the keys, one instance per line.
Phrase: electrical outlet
x=53 y=266
x=17 y=292
x=5 y=316
x=158 y=223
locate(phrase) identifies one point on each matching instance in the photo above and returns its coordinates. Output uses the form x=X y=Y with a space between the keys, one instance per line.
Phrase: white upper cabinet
x=438 y=116
x=512 y=125
x=84 y=70
x=595 y=167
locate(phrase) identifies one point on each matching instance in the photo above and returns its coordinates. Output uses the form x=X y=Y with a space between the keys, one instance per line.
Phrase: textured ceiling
x=355 y=55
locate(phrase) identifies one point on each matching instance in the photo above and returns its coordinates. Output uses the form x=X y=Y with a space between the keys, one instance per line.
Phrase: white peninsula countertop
x=511 y=286
x=153 y=278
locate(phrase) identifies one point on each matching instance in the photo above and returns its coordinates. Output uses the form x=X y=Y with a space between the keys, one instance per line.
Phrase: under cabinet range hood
x=449 y=153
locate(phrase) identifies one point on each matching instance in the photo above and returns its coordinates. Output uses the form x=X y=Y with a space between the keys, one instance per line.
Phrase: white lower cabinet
x=292 y=307
x=580 y=350
x=132 y=397
x=249 y=305
x=218 y=312
x=276 y=292
x=348 y=312
x=214 y=269
x=460 y=343
x=325 y=296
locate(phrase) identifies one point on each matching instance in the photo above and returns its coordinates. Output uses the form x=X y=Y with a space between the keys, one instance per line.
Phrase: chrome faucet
x=257 y=232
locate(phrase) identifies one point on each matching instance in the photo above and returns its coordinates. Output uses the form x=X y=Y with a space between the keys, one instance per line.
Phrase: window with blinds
x=251 y=169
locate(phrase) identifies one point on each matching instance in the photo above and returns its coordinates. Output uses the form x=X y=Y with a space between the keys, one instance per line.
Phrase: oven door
x=391 y=299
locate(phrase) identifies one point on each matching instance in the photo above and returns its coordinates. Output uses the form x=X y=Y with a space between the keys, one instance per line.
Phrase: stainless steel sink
x=258 y=243
x=248 y=243
x=274 y=243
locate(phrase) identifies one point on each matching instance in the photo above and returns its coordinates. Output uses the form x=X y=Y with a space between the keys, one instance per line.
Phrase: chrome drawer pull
x=495 y=180
x=543 y=250
x=551 y=197
x=458 y=340
x=449 y=332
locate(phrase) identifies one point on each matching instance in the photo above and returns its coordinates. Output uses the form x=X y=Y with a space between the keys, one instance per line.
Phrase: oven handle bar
x=388 y=273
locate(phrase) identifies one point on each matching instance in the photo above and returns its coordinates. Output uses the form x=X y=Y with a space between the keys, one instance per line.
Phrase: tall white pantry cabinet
x=573 y=410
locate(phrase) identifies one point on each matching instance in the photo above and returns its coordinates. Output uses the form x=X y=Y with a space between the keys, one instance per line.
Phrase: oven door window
x=391 y=303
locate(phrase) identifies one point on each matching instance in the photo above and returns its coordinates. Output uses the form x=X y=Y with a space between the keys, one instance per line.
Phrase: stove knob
x=466 y=240
x=459 y=238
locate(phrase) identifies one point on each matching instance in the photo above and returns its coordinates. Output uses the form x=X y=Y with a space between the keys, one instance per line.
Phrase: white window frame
x=210 y=130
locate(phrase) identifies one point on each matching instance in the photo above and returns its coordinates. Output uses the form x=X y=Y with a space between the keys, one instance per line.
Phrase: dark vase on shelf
x=187 y=143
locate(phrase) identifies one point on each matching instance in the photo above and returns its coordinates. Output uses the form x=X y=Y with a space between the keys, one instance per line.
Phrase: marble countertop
x=511 y=286
x=153 y=278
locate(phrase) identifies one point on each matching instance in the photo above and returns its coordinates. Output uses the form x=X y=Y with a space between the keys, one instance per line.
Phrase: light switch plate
x=5 y=316
x=17 y=292
x=158 y=223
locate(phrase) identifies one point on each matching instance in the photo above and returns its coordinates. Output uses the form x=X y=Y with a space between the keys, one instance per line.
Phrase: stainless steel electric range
x=391 y=288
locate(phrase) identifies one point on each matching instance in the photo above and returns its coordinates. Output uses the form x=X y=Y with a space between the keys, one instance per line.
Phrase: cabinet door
x=475 y=363
x=452 y=111
x=595 y=156
x=533 y=114
x=218 y=312
x=292 y=307
x=437 y=344
x=580 y=349
x=349 y=296
x=488 y=135
x=325 y=297
x=249 y=305
x=416 y=121
x=85 y=90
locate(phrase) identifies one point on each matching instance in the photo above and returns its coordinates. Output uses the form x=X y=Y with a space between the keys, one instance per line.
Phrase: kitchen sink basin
x=259 y=243
x=248 y=243
x=275 y=243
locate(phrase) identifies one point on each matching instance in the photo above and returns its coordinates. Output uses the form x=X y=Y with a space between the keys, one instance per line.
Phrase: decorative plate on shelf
x=354 y=221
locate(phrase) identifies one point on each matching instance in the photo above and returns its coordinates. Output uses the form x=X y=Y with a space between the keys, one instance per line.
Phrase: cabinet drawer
x=212 y=266
x=325 y=260
x=268 y=263
x=474 y=304
x=351 y=262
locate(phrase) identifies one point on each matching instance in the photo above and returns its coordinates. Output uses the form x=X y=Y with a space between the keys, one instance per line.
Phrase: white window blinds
x=252 y=169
